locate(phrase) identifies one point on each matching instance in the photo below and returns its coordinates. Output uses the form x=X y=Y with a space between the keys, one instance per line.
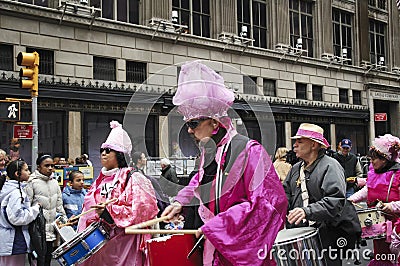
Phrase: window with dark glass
x=253 y=15
x=269 y=87
x=301 y=24
x=342 y=33
x=377 y=41
x=104 y=68
x=46 y=60
x=343 y=96
x=381 y=4
x=249 y=85
x=36 y=2
x=317 y=93
x=120 y=10
x=6 y=57
x=301 y=91
x=195 y=14
x=357 y=97
x=136 y=72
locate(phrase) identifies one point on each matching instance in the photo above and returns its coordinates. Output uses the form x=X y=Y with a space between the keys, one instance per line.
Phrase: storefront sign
x=23 y=131
x=380 y=117
x=385 y=96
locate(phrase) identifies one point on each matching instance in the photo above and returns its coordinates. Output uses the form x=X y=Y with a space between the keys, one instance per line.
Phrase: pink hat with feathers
x=201 y=92
x=118 y=139
x=388 y=146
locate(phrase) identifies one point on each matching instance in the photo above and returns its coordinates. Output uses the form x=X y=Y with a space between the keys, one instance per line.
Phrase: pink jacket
x=252 y=209
x=136 y=203
x=377 y=189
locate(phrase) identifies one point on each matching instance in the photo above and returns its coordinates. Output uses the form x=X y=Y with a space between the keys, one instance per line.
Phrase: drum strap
x=390 y=186
x=304 y=191
x=218 y=178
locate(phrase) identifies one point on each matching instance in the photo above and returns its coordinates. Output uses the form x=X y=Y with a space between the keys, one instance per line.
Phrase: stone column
x=371 y=117
x=394 y=26
x=223 y=17
x=324 y=27
x=156 y=9
x=74 y=134
x=163 y=132
x=280 y=22
x=363 y=30
x=288 y=134
x=333 y=136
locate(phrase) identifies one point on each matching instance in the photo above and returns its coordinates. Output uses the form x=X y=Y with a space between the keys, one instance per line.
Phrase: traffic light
x=30 y=72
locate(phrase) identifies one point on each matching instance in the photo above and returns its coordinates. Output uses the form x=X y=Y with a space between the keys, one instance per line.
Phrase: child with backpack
x=15 y=215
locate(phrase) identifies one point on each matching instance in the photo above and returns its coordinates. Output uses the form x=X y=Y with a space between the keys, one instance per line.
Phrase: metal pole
x=35 y=140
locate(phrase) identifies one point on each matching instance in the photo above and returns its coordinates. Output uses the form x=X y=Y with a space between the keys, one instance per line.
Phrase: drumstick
x=130 y=230
x=358 y=205
x=149 y=222
x=92 y=209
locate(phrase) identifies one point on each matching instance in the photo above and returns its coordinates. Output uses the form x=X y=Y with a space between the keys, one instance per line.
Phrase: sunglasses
x=49 y=165
x=108 y=150
x=194 y=123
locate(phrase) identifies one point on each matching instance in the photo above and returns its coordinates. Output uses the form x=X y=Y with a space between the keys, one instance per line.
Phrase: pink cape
x=136 y=203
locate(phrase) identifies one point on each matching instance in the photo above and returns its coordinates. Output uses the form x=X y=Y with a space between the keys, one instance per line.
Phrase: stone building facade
x=334 y=63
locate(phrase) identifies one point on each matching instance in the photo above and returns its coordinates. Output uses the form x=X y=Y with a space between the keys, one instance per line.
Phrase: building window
x=36 y=2
x=301 y=91
x=381 y=4
x=120 y=10
x=301 y=24
x=104 y=68
x=342 y=33
x=269 y=87
x=357 y=97
x=249 y=85
x=136 y=72
x=343 y=96
x=316 y=93
x=195 y=14
x=46 y=60
x=376 y=41
x=6 y=57
x=253 y=15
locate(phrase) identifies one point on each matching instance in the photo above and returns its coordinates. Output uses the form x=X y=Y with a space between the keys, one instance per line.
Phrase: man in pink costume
x=383 y=185
x=242 y=202
x=136 y=202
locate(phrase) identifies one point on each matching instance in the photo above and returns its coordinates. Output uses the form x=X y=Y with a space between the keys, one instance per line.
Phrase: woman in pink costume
x=242 y=202
x=383 y=185
x=136 y=202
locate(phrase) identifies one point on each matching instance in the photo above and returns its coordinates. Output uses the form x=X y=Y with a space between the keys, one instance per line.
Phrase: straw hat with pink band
x=313 y=132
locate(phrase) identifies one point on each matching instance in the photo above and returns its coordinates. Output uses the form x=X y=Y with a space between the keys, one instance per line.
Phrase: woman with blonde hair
x=281 y=166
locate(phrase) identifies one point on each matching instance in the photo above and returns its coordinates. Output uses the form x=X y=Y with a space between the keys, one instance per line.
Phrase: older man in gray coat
x=316 y=190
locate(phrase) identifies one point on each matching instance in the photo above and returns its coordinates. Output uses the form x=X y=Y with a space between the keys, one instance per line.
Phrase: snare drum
x=173 y=250
x=298 y=246
x=372 y=222
x=83 y=245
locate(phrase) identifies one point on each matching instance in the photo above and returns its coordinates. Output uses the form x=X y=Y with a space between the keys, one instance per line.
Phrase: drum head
x=294 y=234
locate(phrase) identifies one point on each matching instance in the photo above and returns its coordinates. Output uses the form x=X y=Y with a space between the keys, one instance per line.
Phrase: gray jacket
x=326 y=188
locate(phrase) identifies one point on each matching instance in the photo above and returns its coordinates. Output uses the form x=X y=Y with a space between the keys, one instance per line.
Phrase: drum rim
x=91 y=252
x=301 y=238
x=81 y=237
